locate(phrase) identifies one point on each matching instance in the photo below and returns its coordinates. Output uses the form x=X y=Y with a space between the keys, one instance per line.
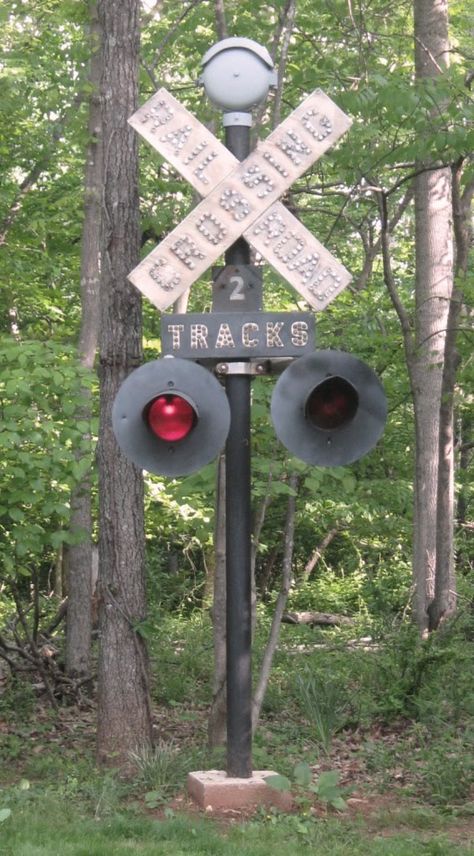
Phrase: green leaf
x=5 y=814
x=328 y=779
x=303 y=774
x=279 y=783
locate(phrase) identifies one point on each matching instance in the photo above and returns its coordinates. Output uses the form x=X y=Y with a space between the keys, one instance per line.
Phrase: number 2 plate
x=236 y=288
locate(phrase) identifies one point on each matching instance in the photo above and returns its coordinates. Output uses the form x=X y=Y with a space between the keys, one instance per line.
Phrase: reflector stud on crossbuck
x=171 y=417
x=328 y=408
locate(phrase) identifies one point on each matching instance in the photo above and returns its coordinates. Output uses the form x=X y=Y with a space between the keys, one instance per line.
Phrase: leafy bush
x=424 y=679
x=40 y=434
x=445 y=771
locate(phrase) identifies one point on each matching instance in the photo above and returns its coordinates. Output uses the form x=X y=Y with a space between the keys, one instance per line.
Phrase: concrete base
x=213 y=790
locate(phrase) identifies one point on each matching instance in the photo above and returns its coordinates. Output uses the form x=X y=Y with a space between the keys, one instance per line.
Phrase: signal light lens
x=171 y=417
x=332 y=403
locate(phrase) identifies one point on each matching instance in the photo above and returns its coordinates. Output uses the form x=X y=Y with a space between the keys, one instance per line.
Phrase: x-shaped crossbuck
x=240 y=199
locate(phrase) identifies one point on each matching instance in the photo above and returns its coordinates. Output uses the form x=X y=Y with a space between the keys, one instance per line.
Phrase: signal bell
x=328 y=408
x=171 y=417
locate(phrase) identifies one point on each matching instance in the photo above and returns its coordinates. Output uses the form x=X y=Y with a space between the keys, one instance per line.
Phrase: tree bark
x=124 y=716
x=444 y=602
x=434 y=283
x=79 y=556
x=323 y=619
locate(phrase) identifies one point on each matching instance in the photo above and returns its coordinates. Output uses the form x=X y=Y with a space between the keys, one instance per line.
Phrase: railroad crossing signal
x=240 y=199
x=328 y=408
x=171 y=417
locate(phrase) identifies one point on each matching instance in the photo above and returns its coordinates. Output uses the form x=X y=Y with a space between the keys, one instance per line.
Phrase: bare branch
x=289 y=21
x=390 y=280
x=221 y=25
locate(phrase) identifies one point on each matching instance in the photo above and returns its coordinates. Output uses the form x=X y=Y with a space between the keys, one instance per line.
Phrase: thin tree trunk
x=217 y=724
x=318 y=552
x=444 y=601
x=221 y=25
x=434 y=282
x=124 y=715
x=280 y=605
x=79 y=556
x=257 y=529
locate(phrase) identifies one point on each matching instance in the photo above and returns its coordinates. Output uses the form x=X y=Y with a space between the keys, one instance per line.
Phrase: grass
x=47 y=827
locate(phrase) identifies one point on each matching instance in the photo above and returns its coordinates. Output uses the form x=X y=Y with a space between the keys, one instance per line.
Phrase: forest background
x=385 y=544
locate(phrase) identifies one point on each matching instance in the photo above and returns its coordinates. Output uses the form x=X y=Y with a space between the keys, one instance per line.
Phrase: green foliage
x=409 y=675
x=182 y=651
x=17 y=700
x=40 y=396
x=324 y=703
x=326 y=788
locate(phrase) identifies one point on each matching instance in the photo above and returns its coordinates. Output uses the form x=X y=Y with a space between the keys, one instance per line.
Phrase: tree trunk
x=124 y=717
x=217 y=724
x=434 y=281
x=444 y=602
x=79 y=556
x=321 y=619
x=287 y=575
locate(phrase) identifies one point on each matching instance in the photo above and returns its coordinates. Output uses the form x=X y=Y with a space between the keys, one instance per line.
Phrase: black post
x=238 y=536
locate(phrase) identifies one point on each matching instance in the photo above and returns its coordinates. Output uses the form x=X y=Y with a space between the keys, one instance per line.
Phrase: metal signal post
x=238 y=535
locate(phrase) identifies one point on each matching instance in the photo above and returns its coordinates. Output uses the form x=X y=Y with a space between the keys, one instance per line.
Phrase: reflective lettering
x=160 y=114
x=320 y=129
x=247 y=331
x=199 y=334
x=186 y=250
x=272 y=227
x=164 y=274
x=299 y=334
x=178 y=138
x=235 y=203
x=293 y=146
x=224 y=337
x=254 y=177
x=175 y=330
x=199 y=172
x=212 y=229
x=273 y=334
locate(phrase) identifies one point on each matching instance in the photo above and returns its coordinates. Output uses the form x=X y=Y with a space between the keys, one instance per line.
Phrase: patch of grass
x=46 y=829
x=324 y=703
x=162 y=769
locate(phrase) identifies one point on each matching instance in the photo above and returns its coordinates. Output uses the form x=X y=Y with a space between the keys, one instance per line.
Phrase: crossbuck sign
x=240 y=199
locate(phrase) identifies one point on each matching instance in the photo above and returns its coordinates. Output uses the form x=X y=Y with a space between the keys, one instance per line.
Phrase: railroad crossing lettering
x=240 y=199
x=241 y=335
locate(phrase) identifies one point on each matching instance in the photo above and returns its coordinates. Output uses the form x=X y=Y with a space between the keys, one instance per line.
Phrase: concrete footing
x=215 y=790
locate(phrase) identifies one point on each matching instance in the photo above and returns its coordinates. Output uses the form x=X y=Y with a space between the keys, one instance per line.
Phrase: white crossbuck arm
x=240 y=199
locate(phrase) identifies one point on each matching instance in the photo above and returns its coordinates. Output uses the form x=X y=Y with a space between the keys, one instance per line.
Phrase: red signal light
x=332 y=403
x=171 y=417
